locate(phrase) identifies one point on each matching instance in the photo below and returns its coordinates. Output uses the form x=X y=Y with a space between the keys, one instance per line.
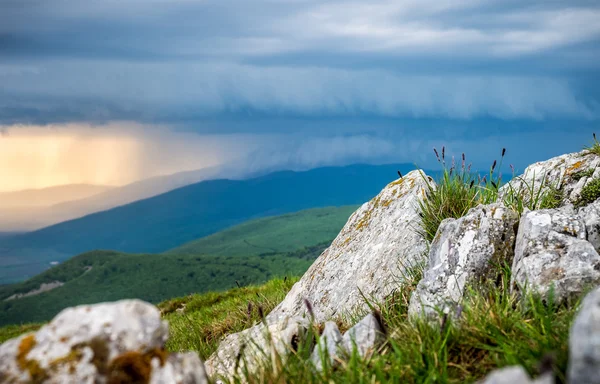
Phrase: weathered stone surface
x=247 y=349
x=365 y=336
x=591 y=217
x=179 y=368
x=552 y=250
x=86 y=344
x=367 y=256
x=328 y=346
x=563 y=172
x=584 y=342
x=464 y=251
x=515 y=375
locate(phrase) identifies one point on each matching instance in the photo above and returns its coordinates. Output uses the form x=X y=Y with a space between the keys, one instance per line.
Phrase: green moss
x=581 y=174
x=589 y=193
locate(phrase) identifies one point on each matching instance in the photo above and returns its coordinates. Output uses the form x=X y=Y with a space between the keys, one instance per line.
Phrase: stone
x=93 y=343
x=584 y=342
x=328 y=346
x=464 y=250
x=591 y=217
x=515 y=375
x=246 y=350
x=365 y=337
x=179 y=368
x=562 y=172
x=552 y=251
x=365 y=261
x=368 y=257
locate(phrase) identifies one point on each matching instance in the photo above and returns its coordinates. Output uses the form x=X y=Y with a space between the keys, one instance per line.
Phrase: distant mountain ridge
x=29 y=217
x=50 y=196
x=166 y=221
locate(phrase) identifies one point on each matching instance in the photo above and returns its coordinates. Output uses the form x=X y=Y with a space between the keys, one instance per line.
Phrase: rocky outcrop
x=109 y=342
x=365 y=261
x=569 y=173
x=515 y=375
x=367 y=258
x=584 y=342
x=464 y=251
x=552 y=251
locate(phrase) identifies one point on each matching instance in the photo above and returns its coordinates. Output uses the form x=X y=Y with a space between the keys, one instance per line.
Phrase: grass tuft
x=455 y=192
x=589 y=193
x=594 y=148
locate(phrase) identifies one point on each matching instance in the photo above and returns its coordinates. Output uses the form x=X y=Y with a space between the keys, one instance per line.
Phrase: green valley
x=236 y=256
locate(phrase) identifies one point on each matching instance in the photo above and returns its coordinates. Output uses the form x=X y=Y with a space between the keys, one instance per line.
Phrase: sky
x=108 y=92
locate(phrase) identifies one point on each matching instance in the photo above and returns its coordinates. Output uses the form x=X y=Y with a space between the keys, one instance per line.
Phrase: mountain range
x=166 y=221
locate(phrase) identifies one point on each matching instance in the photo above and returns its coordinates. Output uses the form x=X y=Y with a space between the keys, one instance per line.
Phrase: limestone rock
x=584 y=342
x=367 y=257
x=552 y=250
x=92 y=343
x=365 y=336
x=247 y=349
x=515 y=375
x=328 y=346
x=179 y=368
x=464 y=251
x=591 y=217
x=563 y=172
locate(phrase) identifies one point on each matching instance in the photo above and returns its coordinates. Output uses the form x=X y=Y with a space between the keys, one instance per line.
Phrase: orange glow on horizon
x=116 y=154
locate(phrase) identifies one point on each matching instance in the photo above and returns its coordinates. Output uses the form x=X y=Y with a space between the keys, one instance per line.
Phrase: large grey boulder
x=515 y=375
x=563 y=172
x=98 y=344
x=584 y=342
x=368 y=257
x=552 y=251
x=248 y=350
x=464 y=250
x=366 y=260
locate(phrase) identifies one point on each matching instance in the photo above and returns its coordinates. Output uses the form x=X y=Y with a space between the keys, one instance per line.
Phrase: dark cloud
x=204 y=64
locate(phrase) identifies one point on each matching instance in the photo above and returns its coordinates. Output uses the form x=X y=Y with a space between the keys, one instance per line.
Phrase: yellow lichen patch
x=346 y=241
x=574 y=167
x=36 y=373
x=397 y=182
x=134 y=367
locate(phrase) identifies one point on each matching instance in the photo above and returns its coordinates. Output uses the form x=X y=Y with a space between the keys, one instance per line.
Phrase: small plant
x=581 y=174
x=531 y=196
x=589 y=193
x=594 y=148
x=457 y=190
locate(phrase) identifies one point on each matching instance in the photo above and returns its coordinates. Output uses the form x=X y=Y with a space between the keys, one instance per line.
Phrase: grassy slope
x=108 y=275
x=283 y=233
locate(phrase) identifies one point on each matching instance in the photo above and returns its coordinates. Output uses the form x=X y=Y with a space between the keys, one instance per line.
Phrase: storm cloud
x=334 y=81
